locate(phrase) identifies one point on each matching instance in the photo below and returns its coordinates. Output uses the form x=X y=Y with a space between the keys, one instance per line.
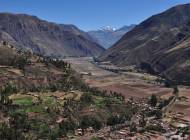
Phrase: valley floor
x=130 y=84
x=134 y=85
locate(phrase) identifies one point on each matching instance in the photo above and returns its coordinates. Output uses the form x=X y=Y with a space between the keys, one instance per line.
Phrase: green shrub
x=86 y=97
x=88 y=121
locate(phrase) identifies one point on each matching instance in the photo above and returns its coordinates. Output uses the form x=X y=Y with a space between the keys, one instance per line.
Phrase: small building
x=79 y=132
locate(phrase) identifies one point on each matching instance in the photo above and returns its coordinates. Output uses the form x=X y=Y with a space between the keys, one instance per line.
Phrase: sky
x=90 y=14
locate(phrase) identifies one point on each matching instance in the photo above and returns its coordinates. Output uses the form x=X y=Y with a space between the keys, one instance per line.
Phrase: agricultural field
x=130 y=84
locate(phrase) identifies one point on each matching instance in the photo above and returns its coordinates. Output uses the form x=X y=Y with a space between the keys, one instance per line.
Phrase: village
x=154 y=127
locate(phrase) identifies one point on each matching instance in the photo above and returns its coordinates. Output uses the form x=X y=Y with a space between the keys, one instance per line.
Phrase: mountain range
x=160 y=44
x=107 y=36
x=46 y=38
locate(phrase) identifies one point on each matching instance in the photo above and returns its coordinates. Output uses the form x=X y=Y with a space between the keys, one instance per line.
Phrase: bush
x=86 y=97
x=8 y=133
x=113 y=120
x=185 y=131
x=156 y=127
x=95 y=138
x=133 y=127
x=117 y=119
x=53 y=88
x=19 y=121
x=164 y=103
x=67 y=126
x=88 y=121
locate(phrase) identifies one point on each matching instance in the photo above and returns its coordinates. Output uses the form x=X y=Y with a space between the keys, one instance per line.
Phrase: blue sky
x=90 y=14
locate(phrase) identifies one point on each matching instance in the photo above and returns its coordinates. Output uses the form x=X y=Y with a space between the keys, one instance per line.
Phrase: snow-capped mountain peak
x=108 y=28
x=106 y=36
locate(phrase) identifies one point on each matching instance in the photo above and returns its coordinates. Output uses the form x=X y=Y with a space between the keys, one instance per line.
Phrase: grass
x=29 y=109
x=24 y=101
x=27 y=105
x=37 y=109
x=2 y=71
x=49 y=101
x=101 y=102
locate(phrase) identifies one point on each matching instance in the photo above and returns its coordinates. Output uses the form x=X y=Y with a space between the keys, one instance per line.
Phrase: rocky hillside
x=44 y=98
x=107 y=37
x=46 y=38
x=160 y=44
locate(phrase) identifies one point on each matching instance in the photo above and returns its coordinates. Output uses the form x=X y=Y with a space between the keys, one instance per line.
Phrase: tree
x=19 y=121
x=5 y=92
x=153 y=100
x=16 y=127
x=158 y=114
x=142 y=121
x=113 y=120
x=176 y=91
x=21 y=62
x=117 y=119
x=133 y=127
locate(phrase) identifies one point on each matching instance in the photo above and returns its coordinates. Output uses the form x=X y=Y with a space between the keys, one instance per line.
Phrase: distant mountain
x=107 y=36
x=107 y=29
x=47 y=38
x=160 y=44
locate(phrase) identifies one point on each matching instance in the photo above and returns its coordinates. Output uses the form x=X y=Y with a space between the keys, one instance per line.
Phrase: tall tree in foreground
x=153 y=100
